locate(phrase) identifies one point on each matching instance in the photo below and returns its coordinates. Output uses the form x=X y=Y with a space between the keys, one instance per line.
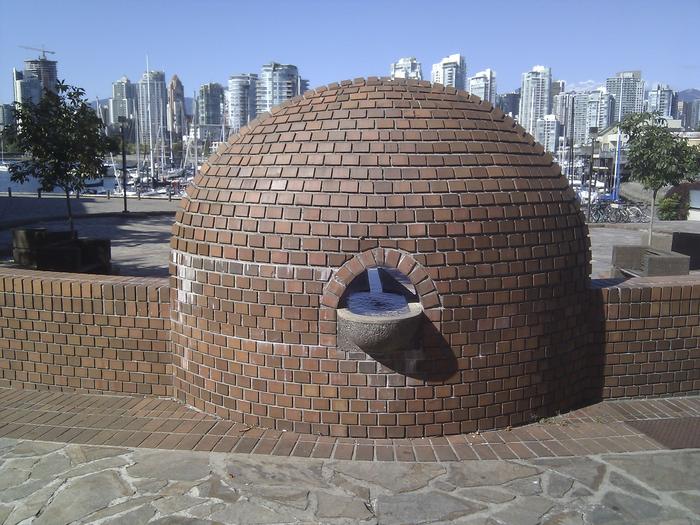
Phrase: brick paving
x=160 y=423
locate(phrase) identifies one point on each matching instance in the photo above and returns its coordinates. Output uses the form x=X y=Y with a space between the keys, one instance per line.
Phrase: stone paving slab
x=58 y=483
x=157 y=423
x=683 y=432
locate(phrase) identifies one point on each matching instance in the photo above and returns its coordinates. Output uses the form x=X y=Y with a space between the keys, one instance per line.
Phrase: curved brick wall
x=367 y=173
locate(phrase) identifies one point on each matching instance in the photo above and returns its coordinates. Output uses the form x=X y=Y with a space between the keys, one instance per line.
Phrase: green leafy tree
x=657 y=157
x=64 y=140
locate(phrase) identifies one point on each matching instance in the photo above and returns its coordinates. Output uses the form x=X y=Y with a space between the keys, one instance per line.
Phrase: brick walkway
x=167 y=424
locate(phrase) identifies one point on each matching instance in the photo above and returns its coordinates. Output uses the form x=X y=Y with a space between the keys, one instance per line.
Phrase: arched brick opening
x=401 y=261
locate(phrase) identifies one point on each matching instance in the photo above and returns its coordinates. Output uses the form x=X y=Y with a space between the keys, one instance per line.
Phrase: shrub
x=673 y=208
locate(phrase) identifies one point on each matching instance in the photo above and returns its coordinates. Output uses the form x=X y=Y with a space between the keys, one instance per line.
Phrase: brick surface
x=86 y=333
x=420 y=179
x=368 y=173
x=650 y=341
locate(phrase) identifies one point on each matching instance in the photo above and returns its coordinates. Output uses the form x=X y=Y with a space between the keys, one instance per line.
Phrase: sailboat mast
x=111 y=155
x=138 y=144
x=148 y=114
x=170 y=135
x=194 y=128
x=161 y=141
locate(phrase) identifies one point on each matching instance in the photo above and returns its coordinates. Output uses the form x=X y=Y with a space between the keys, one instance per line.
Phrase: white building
x=241 y=100
x=535 y=97
x=26 y=86
x=562 y=105
x=153 y=116
x=547 y=132
x=627 y=88
x=124 y=100
x=483 y=85
x=277 y=83
x=592 y=109
x=450 y=71
x=407 y=67
x=38 y=75
x=600 y=108
x=662 y=99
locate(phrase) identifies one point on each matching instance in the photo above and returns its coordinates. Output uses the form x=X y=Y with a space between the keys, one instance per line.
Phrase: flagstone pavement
x=85 y=458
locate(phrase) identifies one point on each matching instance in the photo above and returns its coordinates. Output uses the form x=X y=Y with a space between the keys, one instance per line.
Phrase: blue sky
x=98 y=41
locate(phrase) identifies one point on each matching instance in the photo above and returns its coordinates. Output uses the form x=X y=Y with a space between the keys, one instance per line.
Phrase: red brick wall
x=651 y=337
x=84 y=332
x=488 y=230
x=110 y=334
x=405 y=174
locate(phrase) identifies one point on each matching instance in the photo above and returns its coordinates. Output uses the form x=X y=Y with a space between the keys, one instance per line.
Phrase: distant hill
x=688 y=95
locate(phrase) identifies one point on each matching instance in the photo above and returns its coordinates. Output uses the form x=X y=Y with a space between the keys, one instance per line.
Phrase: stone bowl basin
x=381 y=333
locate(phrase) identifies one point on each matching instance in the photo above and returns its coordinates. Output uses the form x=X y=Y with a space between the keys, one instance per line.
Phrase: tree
x=64 y=140
x=657 y=157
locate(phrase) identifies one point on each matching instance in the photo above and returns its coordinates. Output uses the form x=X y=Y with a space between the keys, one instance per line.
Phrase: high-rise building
x=592 y=109
x=7 y=115
x=509 y=103
x=627 y=88
x=547 y=132
x=241 y=100
x=407 y=67
x=45 y=70
x=558 y=86
x=124 y=100
x=600 y=108
x=450 y=71
x=691 y=115
x=277 y=83
x=535 y=97
x=102 y=111
x=177 y=119
x=664 y=100
x=210 y=105
x=303 y=86
x=562 y=103
x=38 y=75
x=27 y=86
x=483 y=85
x=152 y=117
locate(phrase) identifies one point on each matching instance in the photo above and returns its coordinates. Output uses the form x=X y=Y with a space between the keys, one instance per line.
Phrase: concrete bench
x=62 y=251
x=647 y=261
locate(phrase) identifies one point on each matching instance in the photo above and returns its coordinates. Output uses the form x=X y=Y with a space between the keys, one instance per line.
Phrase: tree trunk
x=651 y=222
x=70 y=211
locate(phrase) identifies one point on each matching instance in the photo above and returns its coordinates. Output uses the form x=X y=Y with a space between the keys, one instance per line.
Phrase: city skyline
x=92 y=53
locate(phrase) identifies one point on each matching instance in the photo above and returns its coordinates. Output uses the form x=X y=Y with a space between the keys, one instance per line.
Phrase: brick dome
x=422 y=179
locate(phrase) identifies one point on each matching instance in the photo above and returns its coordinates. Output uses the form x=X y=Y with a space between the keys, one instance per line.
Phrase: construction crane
x=42 y=49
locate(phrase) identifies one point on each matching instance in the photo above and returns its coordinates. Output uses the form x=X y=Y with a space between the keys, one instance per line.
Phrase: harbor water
x=32 y=185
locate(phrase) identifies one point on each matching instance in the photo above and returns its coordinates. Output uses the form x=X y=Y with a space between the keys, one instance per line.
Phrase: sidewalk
x=95 y=419
x=24 y=208
x=118 y=459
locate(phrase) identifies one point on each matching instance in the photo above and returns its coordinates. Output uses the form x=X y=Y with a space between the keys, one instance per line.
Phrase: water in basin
x=376 y=302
